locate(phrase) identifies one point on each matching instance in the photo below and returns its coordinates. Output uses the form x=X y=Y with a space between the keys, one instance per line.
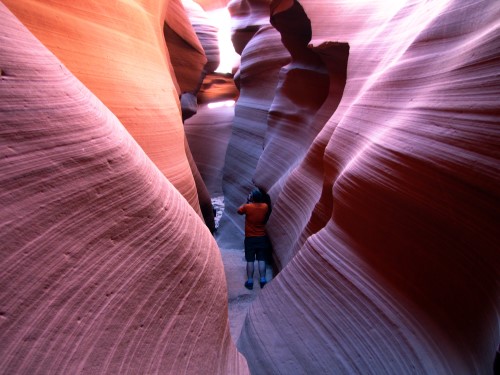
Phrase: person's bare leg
x=262 y=273
x=250 y=269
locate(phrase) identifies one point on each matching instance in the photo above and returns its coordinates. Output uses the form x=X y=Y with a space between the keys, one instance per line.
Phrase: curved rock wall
x=385 y=231
x=187 y=55
x=303 y=87
x=106 y=268
x=208 y=133
x=288 y=229
x=210 y=130
x=247 y=16
x=106 y=46
x=206 y=32
x=184 y=25
x=261 y=60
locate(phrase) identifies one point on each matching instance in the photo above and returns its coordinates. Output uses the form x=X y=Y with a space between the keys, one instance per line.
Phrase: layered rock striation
x=106 y=267
x=384 y=232
x=261 y=60
x=373 y=127
x=304 y=84
x=106 y=48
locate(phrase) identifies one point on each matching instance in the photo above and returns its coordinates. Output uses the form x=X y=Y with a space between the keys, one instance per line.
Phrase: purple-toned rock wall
x=385 y=194
x=373 y=126
x=106 y=267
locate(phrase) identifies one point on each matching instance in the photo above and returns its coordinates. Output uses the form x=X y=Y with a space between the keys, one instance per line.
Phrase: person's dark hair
x=260 y=196
x=257 y=196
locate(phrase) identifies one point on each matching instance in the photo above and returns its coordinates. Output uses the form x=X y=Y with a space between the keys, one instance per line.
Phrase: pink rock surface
x=206 y=31
x=384 y=220
x=193 y=47
x=203 y=193
x=217 y=87
x=262 y=58
x=385 y=231
x=248 y=17
x=303 y=87
x=208 y=5
x=118 y=51
x=185 y=50
x=208 y=133
x=106 y=268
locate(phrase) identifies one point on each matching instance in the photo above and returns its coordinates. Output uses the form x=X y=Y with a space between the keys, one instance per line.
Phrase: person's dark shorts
x=256 y=248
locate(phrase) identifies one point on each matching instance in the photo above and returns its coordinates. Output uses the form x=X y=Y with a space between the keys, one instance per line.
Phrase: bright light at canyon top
x=228 y=56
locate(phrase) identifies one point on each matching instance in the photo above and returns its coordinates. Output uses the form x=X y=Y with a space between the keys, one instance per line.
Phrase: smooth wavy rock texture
x=118 y=51
x=206 y=31
x=257 y=78
x=193 y=49
x=106 y=268
x=385 y=233
x=217 y=87
x=185 y=50
x=208 y=134
x=248 y=16
x=209 y=131
x=294 y=118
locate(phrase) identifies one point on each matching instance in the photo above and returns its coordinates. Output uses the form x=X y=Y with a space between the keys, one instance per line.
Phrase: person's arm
x=241 y=209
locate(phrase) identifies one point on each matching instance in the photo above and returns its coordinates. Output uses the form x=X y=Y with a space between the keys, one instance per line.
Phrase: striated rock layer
x=118 y=51
x=299 y=109
x=257 y=78
x=190 y=65
x=385 y=232
x=186 y=53
x=208 y=133
x=106 y=268
x=206 y=31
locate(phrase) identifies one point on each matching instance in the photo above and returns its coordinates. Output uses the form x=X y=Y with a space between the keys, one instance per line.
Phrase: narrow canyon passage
x=343 y=138
x=213 y=123
x=373 y=126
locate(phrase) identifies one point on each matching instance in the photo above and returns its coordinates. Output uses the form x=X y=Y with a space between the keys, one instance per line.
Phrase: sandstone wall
x=106 y=268
x=119 y=53
x=261 y=60
x=385 y=231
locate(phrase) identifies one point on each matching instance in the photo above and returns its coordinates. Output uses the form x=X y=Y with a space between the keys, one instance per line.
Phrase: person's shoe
x=262 y=283
x=248 y=285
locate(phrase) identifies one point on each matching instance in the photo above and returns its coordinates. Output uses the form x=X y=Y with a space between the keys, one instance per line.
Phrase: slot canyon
x=125 y=151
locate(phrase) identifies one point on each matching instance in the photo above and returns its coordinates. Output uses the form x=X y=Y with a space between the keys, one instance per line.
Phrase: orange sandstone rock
x=185 y=50
x=386 y=231
x=118 y=51
x=106 y=268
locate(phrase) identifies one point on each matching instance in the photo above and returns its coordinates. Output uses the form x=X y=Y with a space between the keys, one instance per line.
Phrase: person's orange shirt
x=255 y=217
